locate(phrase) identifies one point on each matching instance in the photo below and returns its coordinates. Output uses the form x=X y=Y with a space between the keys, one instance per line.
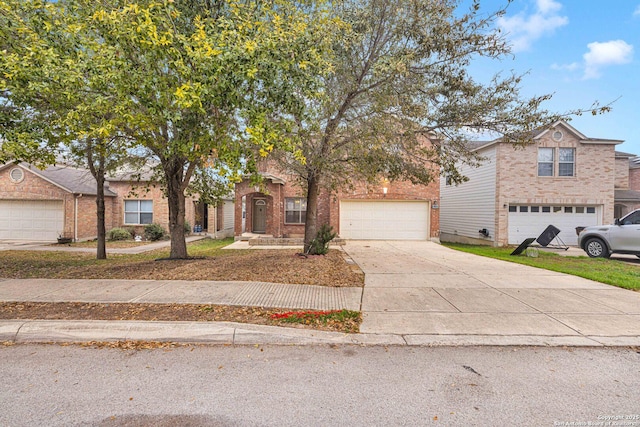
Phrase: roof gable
x=562 y=125
x=72 y=180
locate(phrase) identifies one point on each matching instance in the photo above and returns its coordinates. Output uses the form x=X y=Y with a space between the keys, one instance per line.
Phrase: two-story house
x=627 y=186
x=562 y=178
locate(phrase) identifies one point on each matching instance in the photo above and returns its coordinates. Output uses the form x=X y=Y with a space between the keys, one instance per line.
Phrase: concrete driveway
x=434 y=295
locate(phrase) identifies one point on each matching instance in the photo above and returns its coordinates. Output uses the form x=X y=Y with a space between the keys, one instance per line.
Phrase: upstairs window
x=565 y=165
x=545 y=161
x=295 y=210
x=138 y=211
x=566 y=161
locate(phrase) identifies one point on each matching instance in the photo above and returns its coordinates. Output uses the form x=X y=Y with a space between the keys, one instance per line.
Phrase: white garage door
x=31 y=219
x=530 y=221
x=384 y=220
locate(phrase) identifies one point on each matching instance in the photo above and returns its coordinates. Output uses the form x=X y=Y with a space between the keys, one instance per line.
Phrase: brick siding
x=33 y=187
x=328 y=205
x=518 y=181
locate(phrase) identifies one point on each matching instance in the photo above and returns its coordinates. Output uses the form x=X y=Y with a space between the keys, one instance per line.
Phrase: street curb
x=229 y=333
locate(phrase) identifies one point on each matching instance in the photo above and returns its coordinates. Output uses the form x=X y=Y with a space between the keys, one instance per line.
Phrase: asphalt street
x=319 y=386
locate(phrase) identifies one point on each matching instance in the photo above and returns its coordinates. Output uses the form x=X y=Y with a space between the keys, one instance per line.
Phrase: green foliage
x=131 y=230
x=350 y=319
x=154 y=232
x=192 y=85
x=119 y=234
x=187 y=228
x=320 y=245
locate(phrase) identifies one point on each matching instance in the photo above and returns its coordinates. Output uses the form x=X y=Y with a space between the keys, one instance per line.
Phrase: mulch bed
x=278 y=266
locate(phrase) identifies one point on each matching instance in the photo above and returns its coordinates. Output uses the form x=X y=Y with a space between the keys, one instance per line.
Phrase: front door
x=259 y=216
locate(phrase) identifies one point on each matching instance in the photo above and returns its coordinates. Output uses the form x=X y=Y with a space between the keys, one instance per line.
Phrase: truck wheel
x=596 y=248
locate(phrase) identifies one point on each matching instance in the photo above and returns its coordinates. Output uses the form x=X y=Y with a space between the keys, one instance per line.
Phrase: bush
x=154 y=232
x=320 y=245
x=131 y=230
x=187 y=228
x=119 y=234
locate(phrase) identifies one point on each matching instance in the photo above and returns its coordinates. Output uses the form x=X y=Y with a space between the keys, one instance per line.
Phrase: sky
x=581 y=51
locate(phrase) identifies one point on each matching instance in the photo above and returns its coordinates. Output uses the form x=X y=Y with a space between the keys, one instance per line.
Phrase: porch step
x=285 y=241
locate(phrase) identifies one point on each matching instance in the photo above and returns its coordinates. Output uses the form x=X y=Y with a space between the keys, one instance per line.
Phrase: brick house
x=627 y=185
x=562 y=178
x=390 y=210
x=60 y=200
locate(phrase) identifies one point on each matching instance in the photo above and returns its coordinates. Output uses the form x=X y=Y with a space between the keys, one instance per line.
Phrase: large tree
x=194 y=83
x=401 y=86
x=57 y=91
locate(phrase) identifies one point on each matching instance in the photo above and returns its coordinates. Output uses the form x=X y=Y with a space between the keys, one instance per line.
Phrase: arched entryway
x=259 y=216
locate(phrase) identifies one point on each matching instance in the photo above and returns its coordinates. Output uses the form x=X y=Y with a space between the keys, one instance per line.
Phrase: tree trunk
x=98 y=174
x=176 y=200
x=311 y=223
x=101 y=252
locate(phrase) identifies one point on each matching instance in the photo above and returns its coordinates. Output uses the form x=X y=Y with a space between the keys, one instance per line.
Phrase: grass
x=348 y=320
x=609 y=271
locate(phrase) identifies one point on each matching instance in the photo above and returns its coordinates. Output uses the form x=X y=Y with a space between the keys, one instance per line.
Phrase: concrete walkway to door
x=431 y=294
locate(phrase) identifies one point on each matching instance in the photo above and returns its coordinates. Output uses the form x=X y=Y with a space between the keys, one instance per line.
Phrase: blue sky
x=582 y=51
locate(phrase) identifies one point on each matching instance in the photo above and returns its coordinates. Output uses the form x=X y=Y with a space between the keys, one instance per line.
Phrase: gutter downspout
x=215 y=221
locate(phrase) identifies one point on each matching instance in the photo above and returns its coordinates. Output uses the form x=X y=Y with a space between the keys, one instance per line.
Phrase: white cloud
x=524 y=29
x=568 y=67
x=614 y=52
x=637 y=11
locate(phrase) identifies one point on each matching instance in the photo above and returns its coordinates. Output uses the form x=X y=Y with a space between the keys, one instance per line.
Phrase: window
x=557 y=135
x=535 y=208
x=566 y=161
x=557 y=209
x=546 y=209
x=568 y=209
x=545 y=161
x=513 y=208
x=632 y=219
x=580 y=209
x=295 y=210
x=138 y=211
x=16 y=175
x=524 y=208
x=591 y=210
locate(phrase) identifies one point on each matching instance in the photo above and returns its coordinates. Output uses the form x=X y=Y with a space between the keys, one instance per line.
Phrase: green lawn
x=609 y=271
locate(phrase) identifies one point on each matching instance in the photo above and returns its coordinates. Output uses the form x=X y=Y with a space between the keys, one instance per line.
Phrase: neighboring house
x=627 y=187
x=60 y=200
x=562 y=178
x=394 y=211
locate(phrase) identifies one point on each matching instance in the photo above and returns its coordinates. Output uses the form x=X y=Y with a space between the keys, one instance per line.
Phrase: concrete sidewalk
x=429 y=294
x=416 y=293
x=260 y=294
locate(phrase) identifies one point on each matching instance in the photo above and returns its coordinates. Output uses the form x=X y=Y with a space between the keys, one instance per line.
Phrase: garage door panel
x=531 y=224
x=31 y=219
x=384 y=220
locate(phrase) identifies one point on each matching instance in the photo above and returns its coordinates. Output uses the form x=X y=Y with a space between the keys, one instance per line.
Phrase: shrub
x=187 y=228
x=320 y=245
x=119 y=234
x=154 y=232
x=131 y=230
